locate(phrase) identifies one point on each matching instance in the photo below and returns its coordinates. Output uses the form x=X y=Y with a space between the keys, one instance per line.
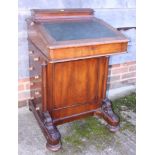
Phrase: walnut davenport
x=69 y=52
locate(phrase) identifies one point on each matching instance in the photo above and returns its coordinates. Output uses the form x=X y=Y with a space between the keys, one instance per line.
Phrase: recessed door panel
x=75 y=82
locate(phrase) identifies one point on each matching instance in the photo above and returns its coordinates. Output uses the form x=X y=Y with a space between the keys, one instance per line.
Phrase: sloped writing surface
x=63 y=31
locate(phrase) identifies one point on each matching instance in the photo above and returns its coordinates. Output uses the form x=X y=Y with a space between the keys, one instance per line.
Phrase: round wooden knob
x=36 y=77
x=37 y=108
x=31 y=52
x=31 y=84
x=36 y=59
x=31 y=68
x=32 y=23
x=37 y=93
x=32 y=98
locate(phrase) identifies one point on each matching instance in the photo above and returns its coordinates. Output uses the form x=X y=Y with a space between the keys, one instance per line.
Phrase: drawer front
x=87 y=51
x=35 y=70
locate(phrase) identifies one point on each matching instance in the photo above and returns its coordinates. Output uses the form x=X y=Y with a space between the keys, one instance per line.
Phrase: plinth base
x=51 y=132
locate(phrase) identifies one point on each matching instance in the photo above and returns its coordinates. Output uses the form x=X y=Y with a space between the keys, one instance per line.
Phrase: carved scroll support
x=48 y=128
x=109 y=116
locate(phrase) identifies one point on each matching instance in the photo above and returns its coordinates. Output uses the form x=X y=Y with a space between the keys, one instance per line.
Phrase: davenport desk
x=69 y=53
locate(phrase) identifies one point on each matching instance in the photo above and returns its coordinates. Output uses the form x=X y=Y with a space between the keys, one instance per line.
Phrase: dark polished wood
x=69 y=77
x=46 y=124
x=44 y=87
x=109 y=116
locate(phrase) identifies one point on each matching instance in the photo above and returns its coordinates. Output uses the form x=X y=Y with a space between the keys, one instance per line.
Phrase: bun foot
x=53 y=147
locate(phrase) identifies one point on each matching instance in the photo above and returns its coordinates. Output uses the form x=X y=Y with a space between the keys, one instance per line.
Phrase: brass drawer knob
x=36 y=59
x=36 y=77
x=31 y=68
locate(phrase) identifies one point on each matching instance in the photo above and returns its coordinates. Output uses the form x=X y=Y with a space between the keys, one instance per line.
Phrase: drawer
x=87 y=51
